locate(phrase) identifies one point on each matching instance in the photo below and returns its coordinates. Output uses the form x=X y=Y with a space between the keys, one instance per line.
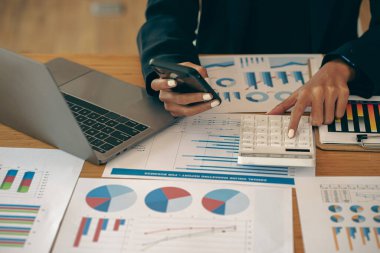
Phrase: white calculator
x=264 y=141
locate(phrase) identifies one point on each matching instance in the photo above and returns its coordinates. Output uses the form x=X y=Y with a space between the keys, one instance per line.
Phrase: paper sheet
x=362 y=116
x=203 y=147
x=119 y=215
x=256 y=83
x=35 y=188
x=340 y=214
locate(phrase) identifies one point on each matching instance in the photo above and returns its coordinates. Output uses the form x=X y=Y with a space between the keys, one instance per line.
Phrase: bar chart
x=93 y=231
x=360 y=117
x=16 y=223
x=358 y=239
x=18 y=182
x=270 y=79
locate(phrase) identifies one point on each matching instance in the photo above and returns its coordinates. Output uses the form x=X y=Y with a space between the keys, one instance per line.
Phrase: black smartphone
x=188 y=79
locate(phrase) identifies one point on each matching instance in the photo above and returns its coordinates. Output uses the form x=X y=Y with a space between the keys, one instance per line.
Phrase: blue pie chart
x=375 y=209
x=111 y=198
x=337 y=218
x=225 y=202
x=377 y=218
x=358 y=218
x=335 y=208
x=356 y=209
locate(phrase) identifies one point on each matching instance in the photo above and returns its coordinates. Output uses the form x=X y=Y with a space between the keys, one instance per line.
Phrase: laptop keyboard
x=104 y=129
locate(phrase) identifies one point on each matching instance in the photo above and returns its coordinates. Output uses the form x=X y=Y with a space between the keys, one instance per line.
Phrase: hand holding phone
x=183 y=89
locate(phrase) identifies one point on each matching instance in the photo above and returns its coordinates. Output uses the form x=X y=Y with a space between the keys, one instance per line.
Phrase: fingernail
x=214 y=103
x=207 y=79
x=172 y=83
x=207 y=97
x=291 y=133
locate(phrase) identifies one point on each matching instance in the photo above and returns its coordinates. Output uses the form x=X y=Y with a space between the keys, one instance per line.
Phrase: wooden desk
x=127 y=68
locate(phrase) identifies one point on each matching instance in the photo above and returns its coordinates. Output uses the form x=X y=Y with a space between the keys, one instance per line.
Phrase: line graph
x=184 y=235
x=195 y=231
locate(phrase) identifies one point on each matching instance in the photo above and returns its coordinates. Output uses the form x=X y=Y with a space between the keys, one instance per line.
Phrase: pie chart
x=375 y=209
x=111 y=198
x=335 y=208
x=356 y=209
x=168 y=199
x=358 y=218
x=225 y=201
x=377 y=218
x=336 y=218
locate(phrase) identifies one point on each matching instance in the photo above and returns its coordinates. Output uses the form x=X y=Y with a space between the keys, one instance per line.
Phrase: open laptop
x=75 y=108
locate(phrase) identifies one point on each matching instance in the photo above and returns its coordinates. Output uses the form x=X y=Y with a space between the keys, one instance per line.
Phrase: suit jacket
x=170 y=31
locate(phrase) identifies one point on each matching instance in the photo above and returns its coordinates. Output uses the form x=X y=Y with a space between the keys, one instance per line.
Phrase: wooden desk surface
x=127 y=68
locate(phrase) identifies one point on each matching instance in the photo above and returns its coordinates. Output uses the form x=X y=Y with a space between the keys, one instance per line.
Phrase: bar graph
x=16 y=222
x=360 y=117
x=273 y=79
x=22 y=183
x=92 y=231
x=252 y=61
x=356 y=239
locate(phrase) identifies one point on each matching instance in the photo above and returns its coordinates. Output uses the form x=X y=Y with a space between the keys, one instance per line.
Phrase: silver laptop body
x=72 y=106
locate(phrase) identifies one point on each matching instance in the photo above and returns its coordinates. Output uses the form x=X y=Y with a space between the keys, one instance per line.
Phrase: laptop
x=75 y=108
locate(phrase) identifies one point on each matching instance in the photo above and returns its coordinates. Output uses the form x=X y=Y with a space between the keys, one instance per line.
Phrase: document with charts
x=200 y=148
x=256 y=83
x=35 y=189
x=340 y=214
x=121 y=215
x=362 y=116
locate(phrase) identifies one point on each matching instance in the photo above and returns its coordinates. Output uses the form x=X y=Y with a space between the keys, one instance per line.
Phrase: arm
x=168 y=33
x=352 y=68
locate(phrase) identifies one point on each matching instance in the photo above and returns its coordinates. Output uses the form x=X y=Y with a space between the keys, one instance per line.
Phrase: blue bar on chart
x=283 y=77
x=267 y=78
x=250 y=78
x=237 y=95
x=360 y=117
x=298 y=77
x=226 y=96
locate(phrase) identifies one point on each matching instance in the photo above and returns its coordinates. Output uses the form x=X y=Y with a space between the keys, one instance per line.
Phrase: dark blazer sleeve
x=364 y=54
x=168 y=34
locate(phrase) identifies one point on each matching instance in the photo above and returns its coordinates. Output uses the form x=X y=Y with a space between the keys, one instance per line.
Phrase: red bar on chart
x=98 y=229
x=80 y=232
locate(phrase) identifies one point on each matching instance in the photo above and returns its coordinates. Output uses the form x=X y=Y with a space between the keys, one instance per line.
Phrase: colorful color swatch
x=225 y=202
x=168 y=199
x=111 y=198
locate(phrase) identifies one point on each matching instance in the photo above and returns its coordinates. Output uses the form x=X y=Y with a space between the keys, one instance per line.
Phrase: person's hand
x=182 y=104
x=326 y=92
